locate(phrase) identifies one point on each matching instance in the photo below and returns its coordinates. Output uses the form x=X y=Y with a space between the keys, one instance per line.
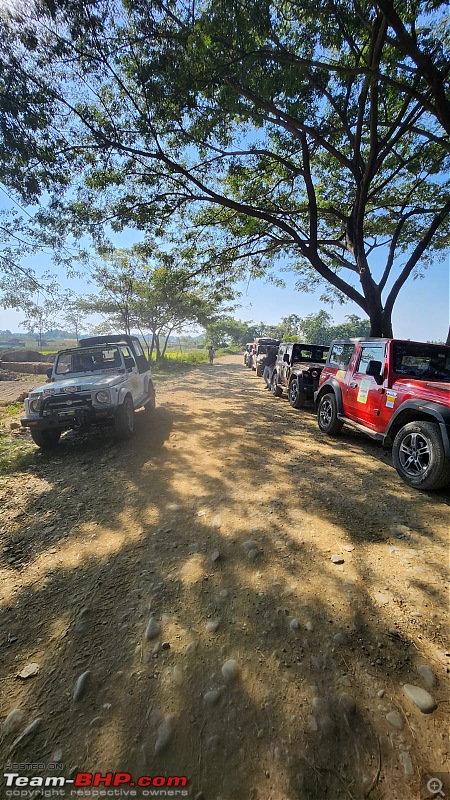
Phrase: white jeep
x=103 y=381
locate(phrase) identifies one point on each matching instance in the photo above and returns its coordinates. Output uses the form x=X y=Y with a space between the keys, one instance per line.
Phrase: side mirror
x=129 y=362
x=374 y=369
x=286 y=358
x=49 y=372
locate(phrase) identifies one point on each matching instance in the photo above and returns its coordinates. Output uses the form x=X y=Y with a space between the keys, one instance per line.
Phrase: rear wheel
x=419 y=456
x=327 y=417
x=259 y=370
x=124 y=420
x=297 y=397
x=277 y=391
x=46 y=440
x=150 y=405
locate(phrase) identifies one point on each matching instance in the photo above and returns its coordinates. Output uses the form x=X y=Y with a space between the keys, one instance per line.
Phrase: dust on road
x=219 y=522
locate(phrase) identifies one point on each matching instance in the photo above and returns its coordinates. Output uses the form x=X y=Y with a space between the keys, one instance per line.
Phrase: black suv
x=297 y=369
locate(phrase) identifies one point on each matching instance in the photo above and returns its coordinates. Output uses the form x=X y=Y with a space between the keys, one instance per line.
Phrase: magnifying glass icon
x=435 y=786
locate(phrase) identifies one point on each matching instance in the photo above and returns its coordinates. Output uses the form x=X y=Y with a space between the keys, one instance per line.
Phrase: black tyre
x=277 y=391
x=297 y=397
x=327 y=417
x=419 y=457
x=259 y=371
x=150 y=405
x=124 y=420
x=46 y=440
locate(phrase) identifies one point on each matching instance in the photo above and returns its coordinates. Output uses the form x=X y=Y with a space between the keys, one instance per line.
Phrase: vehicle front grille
x=60 y=402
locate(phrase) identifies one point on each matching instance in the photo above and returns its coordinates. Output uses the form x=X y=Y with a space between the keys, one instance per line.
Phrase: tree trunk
x=157 y=346
x=165 y=343
x=380 y=321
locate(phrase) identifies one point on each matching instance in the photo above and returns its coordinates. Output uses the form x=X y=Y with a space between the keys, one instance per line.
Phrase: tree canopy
x=316 y=133
x=151 y=295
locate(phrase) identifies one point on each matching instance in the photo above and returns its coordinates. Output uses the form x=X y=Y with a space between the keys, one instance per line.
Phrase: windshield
x=428 y=361
x=304 y=353
x=89 y=359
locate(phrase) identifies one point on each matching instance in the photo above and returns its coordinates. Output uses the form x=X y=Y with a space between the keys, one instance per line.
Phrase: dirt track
x=99 y=538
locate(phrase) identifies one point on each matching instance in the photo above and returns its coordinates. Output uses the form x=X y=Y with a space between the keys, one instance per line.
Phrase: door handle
x=353 y=385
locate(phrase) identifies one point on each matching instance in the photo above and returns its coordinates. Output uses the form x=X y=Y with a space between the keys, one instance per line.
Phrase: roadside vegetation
x=16 y=451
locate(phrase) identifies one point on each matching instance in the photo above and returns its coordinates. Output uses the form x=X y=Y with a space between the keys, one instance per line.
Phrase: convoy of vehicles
x=101 y=382
x=396 y=392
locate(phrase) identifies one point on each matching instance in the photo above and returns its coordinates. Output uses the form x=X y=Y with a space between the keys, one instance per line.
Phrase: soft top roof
x=113 y=338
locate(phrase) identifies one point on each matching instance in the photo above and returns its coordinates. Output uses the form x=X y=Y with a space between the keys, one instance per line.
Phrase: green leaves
x=247 y=132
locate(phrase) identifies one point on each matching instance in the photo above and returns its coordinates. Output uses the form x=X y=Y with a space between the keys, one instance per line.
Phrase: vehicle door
x=279 y=362
x=134 y=378
x=285 y=366
x=363 y=393
x=142 y=368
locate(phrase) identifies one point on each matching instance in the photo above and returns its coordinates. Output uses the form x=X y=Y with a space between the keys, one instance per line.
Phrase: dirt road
x=217 y=525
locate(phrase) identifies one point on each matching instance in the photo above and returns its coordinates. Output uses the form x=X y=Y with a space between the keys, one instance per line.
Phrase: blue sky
x=421 y=311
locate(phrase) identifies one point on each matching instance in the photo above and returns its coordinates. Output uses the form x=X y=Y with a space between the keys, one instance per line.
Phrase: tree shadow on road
x=319 y=670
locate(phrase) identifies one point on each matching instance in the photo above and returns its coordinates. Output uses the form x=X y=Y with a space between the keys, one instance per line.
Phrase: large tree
x=136 y=291
x=316 y=132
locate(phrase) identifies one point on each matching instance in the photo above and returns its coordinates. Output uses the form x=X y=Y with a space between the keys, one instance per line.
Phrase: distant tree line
x=314 y=329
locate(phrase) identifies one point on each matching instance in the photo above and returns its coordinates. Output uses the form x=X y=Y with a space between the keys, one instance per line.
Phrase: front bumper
x=65 y=418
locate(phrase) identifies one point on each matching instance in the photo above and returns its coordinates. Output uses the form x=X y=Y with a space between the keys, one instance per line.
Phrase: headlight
x=70 y=389
x=314 y=373
x=50 y=391
x=102 y=397
x=34 y=404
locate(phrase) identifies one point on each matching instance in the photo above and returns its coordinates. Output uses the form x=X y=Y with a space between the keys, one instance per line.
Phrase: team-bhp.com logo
x=149 y=786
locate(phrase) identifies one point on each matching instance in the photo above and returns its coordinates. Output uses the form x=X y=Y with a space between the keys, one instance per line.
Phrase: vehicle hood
x=435 y=391
x=83 y=382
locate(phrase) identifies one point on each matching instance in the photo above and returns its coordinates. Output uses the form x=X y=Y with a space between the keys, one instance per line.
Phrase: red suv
x=397 y=392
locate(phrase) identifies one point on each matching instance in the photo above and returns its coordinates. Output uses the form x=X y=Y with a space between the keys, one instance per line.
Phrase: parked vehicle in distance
x=253 y=350
x=397 y=392
x=259 y=355
x=101 y=382
x=247 y=350
x=297 y=369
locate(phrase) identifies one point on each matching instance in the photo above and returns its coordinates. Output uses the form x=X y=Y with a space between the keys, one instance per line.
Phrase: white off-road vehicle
x=103 y=381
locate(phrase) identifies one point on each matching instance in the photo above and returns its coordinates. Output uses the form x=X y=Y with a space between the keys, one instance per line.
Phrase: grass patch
x=16 y=453
x=11 y=410
x=175 y=359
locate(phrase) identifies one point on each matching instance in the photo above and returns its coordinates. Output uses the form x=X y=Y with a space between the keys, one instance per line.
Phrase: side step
x=362 y=428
